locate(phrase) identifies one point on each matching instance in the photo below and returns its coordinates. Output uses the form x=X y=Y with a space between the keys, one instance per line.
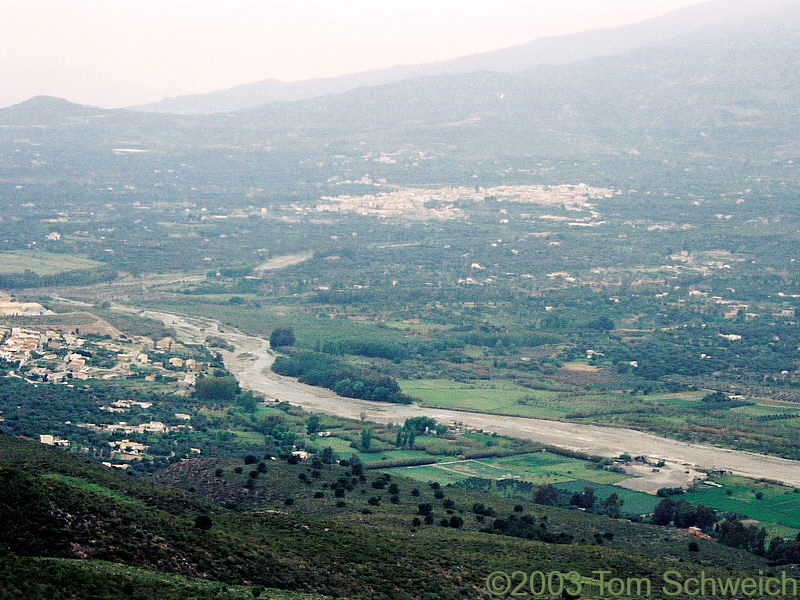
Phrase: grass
x=311 y=330
x=36 y=577
x=93 y=487
x=497 y=396
x=546 y=467
x=538 y=468
x=43 y=263
x=633 y=502
x=778 y=510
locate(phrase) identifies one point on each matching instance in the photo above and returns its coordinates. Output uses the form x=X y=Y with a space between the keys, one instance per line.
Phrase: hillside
x=47 y=110
x=724 y=100
x=77 y=520
x=558 y=50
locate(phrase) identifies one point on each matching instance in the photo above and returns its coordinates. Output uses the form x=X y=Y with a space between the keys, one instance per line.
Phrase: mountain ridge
x=552 y=50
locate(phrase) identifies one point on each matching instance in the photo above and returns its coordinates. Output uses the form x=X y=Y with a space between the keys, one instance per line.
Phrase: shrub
x=281 y=336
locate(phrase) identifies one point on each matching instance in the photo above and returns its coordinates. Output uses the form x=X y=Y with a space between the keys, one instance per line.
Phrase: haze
x=114 y=54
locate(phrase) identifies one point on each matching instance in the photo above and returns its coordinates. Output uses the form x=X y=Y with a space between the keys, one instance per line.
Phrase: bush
x=281 y=336
x=220 y=389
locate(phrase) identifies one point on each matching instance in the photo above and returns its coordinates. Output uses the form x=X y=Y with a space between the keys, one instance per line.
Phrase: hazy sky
x=114 y=53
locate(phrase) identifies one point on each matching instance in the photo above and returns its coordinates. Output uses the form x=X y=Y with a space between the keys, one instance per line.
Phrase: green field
x=538 y=468
x=497 y=396
x=546 y=467
x=635 y=502
x=778 y=510
x=43 y=263
x=311 y=330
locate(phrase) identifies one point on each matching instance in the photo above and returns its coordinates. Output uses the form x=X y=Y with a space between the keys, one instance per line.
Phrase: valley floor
x=252 y=358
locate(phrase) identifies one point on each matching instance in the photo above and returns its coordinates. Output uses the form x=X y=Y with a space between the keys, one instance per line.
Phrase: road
x=252 y=358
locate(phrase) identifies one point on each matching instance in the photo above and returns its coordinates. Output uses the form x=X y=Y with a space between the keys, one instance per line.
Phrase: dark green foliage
x=747 y=537
x=586 y=499
x=526 y=527
x=29 y=279
x=313 y=424
x=216 y=389
x=783 y=551
x=27 y=525
x=281 y=336
x=546 y=494
x=716 y=397
x=682 y=514
x=320 y=369
x=248 y=401
x=203 y=522
x=366 y=438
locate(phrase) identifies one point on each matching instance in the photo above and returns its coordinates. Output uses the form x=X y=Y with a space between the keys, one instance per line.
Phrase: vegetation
x=281 y=336
x=175 y=537
x=316 y=368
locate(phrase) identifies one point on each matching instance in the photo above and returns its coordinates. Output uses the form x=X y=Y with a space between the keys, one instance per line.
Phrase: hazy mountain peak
x=556 y=50
x=46 y=110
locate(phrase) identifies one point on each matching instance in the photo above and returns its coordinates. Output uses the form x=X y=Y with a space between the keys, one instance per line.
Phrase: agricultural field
x=43 y=263
x=538 y=468
x=637 y=503
x=494 y=396
x=312 y=330
x=776 y=507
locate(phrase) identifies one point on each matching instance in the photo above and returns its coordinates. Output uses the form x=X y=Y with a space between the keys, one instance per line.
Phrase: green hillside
x=86 y=526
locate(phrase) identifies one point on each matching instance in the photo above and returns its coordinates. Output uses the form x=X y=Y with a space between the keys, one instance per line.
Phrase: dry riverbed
x=252 y=358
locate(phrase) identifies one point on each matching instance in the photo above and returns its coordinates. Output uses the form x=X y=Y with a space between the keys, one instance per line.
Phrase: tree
x=327 y=455
x=366 y=438
x=612 y=506
x=203 y=522
x=663 y=512
x=704 y=516
x=282 y=336
x=313 y=424
x=585 y=499
x=716 y=397
x=222 y=389
x=546 y=494
x=751 y=538
x=248 y=401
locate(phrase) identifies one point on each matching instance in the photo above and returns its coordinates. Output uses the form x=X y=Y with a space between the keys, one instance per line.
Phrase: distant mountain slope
x=730 y=90
x=47 y=110
x=557 y=50
x=726 y=98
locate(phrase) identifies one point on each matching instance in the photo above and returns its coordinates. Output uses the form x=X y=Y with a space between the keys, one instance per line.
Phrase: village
x=441 y=203
x=54 y=356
